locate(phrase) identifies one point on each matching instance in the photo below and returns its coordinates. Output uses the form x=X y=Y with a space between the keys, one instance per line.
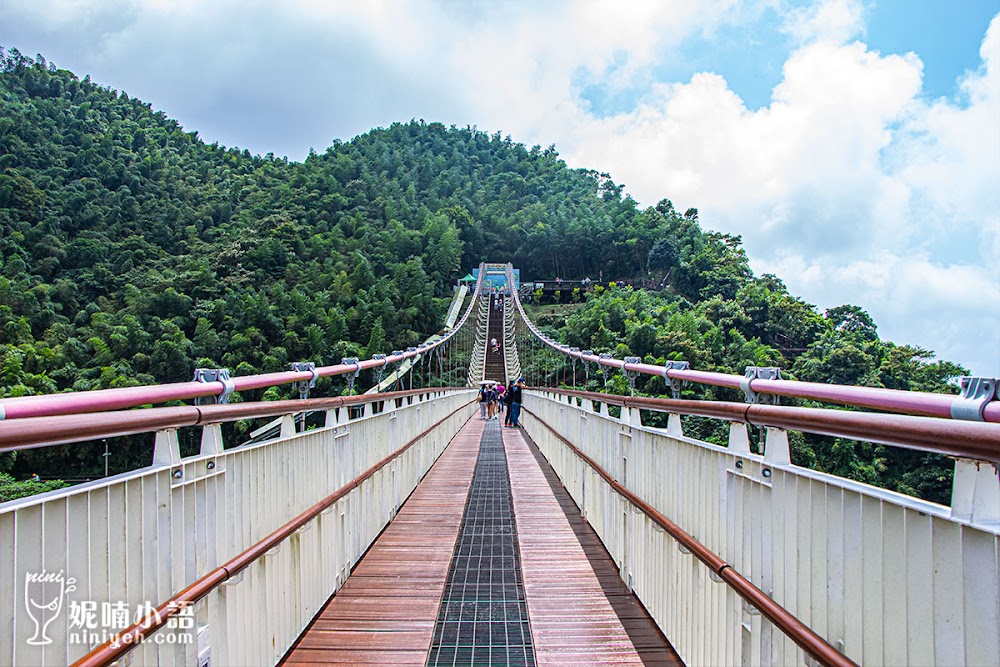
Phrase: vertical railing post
x=975 y=495
x=211 y=440
x=776 y=447
x=167 y=451
x=739 y=440
x=287 y=426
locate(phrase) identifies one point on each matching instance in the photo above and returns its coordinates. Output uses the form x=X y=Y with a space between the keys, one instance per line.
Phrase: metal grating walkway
x=483 y=618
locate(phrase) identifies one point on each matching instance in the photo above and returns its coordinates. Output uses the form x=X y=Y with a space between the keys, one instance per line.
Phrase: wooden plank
x=579 y=609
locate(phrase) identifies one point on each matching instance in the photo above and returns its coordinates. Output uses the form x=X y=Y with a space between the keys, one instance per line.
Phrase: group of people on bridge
x=586 y=282
x=496 y=399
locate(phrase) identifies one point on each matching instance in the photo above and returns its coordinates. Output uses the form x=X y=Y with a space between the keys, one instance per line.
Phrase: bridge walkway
x=385 y=612
x=389 y=612
x=581 y=611
x=495 y=366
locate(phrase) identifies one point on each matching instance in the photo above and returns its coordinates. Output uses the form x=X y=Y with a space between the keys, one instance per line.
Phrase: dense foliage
x=761 y=324
x=132 y=252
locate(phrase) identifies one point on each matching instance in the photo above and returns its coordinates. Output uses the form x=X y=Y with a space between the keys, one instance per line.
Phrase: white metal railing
x=885 y=578
x=131 y=541
x=477 y=363
x=456 y=306
x=511 y=358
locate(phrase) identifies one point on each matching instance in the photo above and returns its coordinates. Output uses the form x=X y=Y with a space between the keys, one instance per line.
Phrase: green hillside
x=132 y=252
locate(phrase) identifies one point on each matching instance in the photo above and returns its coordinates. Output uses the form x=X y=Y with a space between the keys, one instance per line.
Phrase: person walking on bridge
x=515 y=403
x=508 y=395
x=491 y=412
x=484 y=397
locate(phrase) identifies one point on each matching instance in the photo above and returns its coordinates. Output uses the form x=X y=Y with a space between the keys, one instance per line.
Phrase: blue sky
x=946 y=35
x=853 y=144
x=750 y=53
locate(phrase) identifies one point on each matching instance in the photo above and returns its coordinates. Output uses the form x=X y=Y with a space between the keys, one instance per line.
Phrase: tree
x=717 y=264
x=11 y=489
x=376 y=341
x=663 y=257
x=853 y=321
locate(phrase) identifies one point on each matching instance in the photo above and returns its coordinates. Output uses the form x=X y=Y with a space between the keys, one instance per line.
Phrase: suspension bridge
x=397 y=527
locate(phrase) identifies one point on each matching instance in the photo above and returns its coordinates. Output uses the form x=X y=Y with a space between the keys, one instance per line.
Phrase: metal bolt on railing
x=977 y=392
x=351 y=377
x=759 y=373
x=214 y=375
x=305 y=385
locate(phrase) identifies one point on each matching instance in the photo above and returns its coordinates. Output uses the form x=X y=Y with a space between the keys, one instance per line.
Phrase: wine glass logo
x=44 y=593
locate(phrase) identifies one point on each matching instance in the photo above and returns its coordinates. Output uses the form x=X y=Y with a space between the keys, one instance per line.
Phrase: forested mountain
x=132 y=252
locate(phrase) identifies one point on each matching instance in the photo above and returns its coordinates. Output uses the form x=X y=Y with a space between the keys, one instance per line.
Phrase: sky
x=853 y=144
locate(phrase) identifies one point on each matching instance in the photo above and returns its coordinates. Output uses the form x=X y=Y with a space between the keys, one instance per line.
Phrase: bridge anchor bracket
x=397 y=364
x=631 y=375
x=206 y=375
x=675 y=384
x=759 y=373
x=305 y=385
x=977 y=392
x=604 y=372
x=351 y=377
x=379 y=370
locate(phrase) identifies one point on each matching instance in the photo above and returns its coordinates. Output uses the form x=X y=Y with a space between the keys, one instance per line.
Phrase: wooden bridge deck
x=386 y=611
x=580 y=612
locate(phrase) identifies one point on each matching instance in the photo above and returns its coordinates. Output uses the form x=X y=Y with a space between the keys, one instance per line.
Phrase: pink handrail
x=36 y=432
x=102 y=400
x=975 y=440
x=890 y=400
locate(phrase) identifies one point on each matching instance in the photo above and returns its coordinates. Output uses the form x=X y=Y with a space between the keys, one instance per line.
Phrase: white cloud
x=71 y=15
x=831 y=20
x=801 y=171
x=848 y=185
x=954 y=309
x=950 y=158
